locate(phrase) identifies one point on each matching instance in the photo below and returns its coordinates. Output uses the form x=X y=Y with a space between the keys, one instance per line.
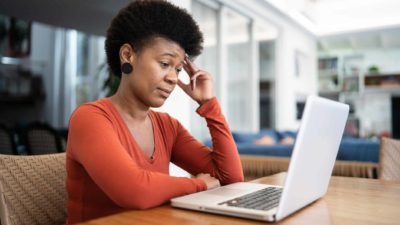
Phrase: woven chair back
x=32 y=189
x=389 y=160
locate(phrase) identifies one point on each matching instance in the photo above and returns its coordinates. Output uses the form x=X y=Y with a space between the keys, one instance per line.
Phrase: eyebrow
x=169 y=54
x=172 y=55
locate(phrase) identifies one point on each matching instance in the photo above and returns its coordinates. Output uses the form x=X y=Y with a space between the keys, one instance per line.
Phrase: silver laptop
x=307 y=180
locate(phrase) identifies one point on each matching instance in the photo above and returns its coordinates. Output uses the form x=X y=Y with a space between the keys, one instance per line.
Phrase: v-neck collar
x=151 y=159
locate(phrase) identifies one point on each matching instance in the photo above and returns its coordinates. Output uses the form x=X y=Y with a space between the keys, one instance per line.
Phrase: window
x=234 y=43
x=90 y=72
x=237 y=40
x=206 y=18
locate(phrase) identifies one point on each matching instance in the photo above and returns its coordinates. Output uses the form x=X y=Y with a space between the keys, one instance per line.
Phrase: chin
x=157 y=103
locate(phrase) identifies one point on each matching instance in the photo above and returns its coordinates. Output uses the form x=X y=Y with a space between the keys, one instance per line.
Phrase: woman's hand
x=210 y=181
x=200 y=86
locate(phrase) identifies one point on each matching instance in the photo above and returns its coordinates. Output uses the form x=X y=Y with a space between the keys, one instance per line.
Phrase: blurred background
x=266 y=57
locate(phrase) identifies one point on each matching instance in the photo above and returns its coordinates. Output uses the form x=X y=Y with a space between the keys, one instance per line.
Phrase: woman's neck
x=129 y=106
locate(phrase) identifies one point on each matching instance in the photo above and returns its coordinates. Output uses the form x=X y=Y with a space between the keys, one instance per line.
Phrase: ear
x=126 y=53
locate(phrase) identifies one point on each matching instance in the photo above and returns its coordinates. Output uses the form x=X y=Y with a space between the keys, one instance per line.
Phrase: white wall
x=293 y=42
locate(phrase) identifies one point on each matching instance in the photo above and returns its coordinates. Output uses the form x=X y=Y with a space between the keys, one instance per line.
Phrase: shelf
x=382 y=80
x=350 y=76
x=329 y=92
x=376 y=89
x=354 y=93
x=330 y=63
x=351 y=84
x=326 y=76
x=327 y=72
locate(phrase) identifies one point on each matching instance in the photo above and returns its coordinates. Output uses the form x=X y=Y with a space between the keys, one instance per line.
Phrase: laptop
x=308 y=176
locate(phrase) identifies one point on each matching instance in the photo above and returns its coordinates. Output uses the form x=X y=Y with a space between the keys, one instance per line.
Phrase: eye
x=178 y=70
x=164 y=65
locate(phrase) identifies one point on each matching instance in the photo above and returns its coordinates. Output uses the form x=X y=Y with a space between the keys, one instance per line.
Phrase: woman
x=119 y=150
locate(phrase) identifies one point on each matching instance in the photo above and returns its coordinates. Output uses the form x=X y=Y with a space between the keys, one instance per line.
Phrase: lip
x=164 y=92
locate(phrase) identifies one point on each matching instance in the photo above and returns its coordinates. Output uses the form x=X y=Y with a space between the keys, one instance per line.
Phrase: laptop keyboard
x=264 y=199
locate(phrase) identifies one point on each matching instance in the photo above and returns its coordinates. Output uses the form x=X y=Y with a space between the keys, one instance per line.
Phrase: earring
x=126 y=68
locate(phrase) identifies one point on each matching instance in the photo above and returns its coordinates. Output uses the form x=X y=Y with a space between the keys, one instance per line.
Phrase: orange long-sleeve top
x=107 y=172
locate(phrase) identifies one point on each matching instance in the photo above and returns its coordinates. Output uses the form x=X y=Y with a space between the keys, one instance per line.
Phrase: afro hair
x=142 y=20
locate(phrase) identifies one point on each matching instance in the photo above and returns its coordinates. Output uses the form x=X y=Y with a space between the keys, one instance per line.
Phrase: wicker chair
x=41 y=138
x=32 y=189
x=7 y=143
x=389 y=160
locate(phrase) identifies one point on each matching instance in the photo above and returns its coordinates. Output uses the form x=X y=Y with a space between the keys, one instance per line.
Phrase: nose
x=172 y=77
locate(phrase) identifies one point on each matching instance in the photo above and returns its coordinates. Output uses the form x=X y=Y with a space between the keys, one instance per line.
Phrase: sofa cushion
x=357 y=149
x=244 y=137
x=251 y=137
x=352 y=149
x=265 y=150
x=283 y=134
x=271 y=133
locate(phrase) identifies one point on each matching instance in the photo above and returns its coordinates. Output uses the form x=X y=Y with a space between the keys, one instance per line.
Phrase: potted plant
x=374 y=69
x=111 y=82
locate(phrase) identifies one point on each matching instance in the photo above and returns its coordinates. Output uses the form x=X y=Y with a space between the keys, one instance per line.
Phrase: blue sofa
x=356 y=157
x=351 y=149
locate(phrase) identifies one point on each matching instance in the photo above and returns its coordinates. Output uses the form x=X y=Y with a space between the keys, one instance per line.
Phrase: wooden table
x=348 y=201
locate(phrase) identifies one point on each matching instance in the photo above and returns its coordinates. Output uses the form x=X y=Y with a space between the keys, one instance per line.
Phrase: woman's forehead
x=163 y=46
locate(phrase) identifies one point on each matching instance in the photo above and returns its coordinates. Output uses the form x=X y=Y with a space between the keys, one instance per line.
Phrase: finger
x=201 y=75
x=189 y=70
x=193 y=84
x=193 y=79
x=191 y=65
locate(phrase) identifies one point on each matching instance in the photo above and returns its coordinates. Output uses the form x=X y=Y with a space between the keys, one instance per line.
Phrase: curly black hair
x=141 y=21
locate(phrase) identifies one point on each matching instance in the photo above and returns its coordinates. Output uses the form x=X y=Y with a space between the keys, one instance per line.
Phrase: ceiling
x=333 y=17
x=347 y=24
x=338 y=23
x=92 y=16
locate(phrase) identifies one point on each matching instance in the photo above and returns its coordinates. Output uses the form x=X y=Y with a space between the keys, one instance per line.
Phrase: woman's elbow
x=237 y=178
x=234 y=178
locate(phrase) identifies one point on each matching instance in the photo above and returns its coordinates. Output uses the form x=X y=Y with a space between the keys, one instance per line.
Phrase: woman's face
x=155 y=72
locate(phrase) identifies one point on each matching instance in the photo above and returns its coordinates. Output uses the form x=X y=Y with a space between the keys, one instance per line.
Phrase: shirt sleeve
x=222 y=161
x=95 y=145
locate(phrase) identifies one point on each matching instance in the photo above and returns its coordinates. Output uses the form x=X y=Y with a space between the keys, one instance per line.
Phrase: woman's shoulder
x=100 y=106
